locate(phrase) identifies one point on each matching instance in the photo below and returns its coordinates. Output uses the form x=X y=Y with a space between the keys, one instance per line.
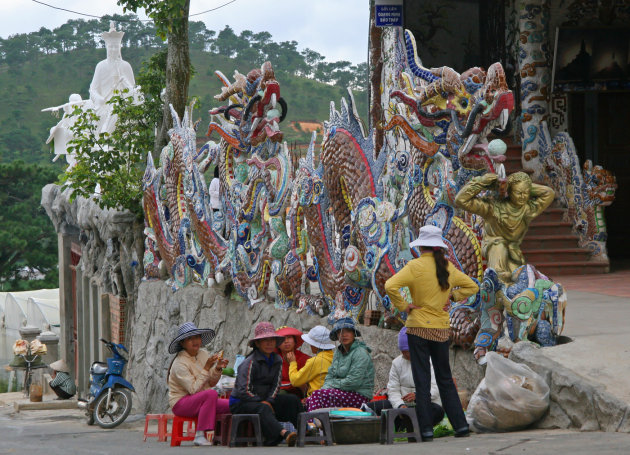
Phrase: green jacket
x=352 y=372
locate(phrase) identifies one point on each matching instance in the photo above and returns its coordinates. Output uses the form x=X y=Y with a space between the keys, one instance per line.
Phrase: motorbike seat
x=99 y=368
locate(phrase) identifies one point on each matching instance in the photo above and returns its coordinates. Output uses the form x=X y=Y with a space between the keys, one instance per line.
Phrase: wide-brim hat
x=319 y=336
x=60 y=365
x=430 y=236
x=187 y=330
x=265 y=330
x=343 y=323
x=290 y=331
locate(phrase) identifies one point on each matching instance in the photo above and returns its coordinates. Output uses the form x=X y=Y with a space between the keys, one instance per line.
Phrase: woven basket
x=19 y=361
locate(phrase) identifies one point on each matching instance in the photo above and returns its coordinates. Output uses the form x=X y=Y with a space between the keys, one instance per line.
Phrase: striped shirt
x=64 y=382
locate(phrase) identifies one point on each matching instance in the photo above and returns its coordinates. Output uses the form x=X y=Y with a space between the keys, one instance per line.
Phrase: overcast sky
x=337 y=29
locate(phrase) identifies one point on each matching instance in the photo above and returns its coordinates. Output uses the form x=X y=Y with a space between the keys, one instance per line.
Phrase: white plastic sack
x=511 y=396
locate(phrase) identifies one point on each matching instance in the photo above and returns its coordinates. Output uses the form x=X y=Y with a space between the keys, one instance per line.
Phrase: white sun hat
x=319 y=336
x=430 y=236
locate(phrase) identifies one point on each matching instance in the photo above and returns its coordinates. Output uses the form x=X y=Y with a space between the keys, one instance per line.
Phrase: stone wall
x=100 y=255
x=111 y=241
x=159 y=311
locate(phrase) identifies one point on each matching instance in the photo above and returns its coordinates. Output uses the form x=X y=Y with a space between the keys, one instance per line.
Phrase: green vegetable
x=228 y=371
x=443 y=428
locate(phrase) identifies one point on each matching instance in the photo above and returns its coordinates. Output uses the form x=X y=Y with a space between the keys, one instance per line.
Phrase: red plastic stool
x=168 y=418
x=177 y=432
x=222 y=428
x=161 y=427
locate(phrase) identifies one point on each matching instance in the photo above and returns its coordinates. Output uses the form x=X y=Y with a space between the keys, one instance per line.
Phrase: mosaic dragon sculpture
x=344 y=224
x=584 y=191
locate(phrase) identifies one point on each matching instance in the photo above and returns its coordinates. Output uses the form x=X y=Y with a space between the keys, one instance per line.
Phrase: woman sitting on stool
x=401 y=390
x=290 y=347
x=314 y=371
x=190 y=378
x=257 y=385
x=350 y=378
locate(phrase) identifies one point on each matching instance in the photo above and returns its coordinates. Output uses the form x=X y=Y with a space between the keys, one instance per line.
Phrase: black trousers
x=421 y=350
x=61 y=393
x=286 y=407
x=437 y=413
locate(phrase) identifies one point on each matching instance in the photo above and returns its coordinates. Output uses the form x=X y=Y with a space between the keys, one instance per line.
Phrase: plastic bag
x=511 y=396
x=238 y=361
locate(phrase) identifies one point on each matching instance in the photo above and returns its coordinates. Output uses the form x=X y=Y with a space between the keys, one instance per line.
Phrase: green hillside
x=45 y=80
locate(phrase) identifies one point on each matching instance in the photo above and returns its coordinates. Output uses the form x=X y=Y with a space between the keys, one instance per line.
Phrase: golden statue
x=507 y=220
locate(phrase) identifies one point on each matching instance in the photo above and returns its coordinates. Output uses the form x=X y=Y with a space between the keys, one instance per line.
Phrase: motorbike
x=109 y=399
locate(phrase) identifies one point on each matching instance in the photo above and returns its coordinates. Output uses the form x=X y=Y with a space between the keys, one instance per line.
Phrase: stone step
x=513 y=151
x=554 y=269
x=550 y=243
x=513 y=158
x=550 y=214
x=537 y=242
x=549 y=227
x=512 y=166
x=572 y=255
x=25 y=405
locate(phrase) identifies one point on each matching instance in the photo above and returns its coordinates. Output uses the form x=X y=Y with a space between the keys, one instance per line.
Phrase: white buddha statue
x=112 y=74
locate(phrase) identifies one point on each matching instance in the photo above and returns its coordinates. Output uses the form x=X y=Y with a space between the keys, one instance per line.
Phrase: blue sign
x=388 y=15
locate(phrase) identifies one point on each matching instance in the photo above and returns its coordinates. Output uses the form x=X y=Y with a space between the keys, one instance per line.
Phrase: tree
x=198 y=34
x=226 y=42
x=111 y=160
x=171 y=20
x=28 y=242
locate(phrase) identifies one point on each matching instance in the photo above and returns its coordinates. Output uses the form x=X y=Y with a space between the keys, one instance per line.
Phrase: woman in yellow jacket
x=315 y=369
x=433 y=282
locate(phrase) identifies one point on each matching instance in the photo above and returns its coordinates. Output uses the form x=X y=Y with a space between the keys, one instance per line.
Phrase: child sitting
x=315 y=369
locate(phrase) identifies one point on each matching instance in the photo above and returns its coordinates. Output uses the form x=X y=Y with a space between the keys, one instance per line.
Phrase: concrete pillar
x=87 y=339
x=94 y=323
x=82 y=339
x=104 y=326
x=66 y=310
x=29 y=332
x=51 y=340
x=534 y=67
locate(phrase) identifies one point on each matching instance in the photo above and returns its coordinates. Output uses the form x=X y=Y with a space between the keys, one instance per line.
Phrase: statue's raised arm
x=506 y=220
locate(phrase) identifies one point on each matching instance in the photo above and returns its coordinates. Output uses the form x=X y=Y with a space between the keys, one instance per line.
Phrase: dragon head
x=601 y=183
x=308 y=188
x=256 y=110
x=456 y=112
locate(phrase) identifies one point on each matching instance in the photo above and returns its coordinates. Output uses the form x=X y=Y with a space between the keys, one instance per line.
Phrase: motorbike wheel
x=119 y=408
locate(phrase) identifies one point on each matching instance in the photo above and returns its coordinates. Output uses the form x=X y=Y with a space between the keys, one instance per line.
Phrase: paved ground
x=49 y=432
x=615 y=284
x=598 y=313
